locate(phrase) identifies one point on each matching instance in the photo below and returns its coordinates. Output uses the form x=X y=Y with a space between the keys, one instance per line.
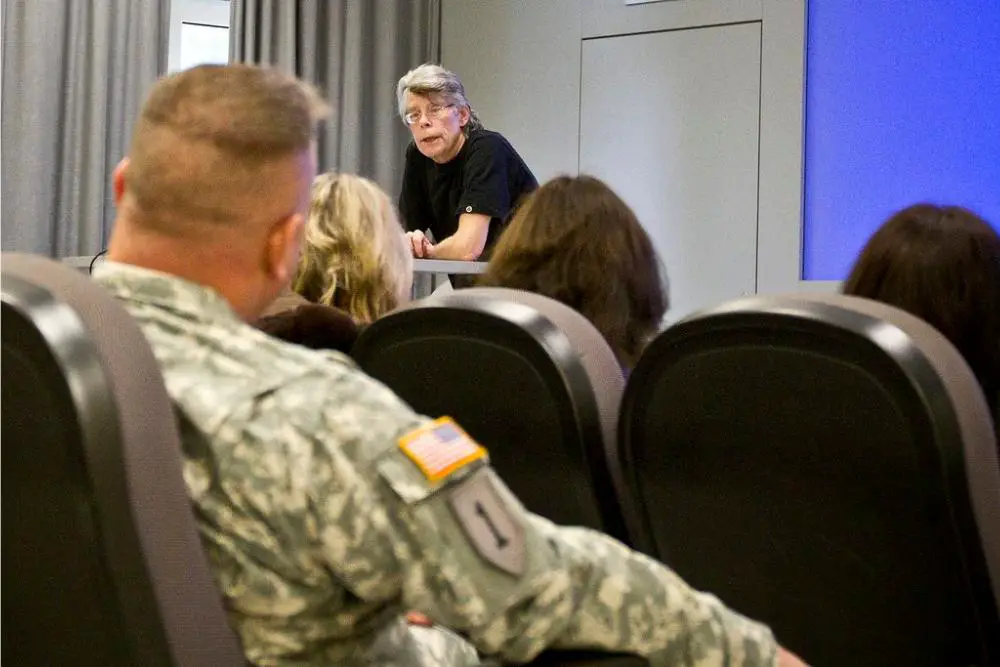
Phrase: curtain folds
x=74 y=76
x=354 y=51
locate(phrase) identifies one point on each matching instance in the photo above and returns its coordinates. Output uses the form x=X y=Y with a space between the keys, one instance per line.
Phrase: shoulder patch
x=486 y=520
x=440 y=448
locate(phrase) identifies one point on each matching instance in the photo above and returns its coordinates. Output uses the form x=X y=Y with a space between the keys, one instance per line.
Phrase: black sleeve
x=484 y=179
x=414 y=208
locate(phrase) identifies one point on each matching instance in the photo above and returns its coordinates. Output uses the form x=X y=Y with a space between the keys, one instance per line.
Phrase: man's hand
x=416 y=618
x=420 y=245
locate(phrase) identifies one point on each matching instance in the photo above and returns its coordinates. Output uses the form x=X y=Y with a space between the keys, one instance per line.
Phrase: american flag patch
x=440 y=448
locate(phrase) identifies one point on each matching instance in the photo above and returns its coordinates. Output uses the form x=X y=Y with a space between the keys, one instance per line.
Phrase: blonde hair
x=355 y=255
x=207 y=136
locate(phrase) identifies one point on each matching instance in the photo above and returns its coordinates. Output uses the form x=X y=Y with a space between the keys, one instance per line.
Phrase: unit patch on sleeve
x=489 y=524
x=440 y=448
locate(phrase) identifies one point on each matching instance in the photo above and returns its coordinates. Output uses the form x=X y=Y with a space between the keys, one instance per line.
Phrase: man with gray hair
x=461 y=181
x=327 y=507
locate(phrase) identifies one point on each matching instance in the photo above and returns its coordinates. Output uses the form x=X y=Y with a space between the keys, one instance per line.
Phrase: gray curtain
x=354 y=51
x=75 y=73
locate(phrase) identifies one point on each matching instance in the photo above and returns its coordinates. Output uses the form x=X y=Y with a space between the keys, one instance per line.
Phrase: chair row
x=824 y=463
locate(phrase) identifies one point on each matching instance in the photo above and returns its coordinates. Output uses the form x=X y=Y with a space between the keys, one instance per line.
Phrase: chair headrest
x=898 y=330
x=597 y=357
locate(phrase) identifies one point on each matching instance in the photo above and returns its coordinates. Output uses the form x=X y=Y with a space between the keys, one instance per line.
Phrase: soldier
x=326 y=506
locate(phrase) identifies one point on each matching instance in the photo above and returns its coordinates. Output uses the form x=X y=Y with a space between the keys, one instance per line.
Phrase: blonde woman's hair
x=355 y=256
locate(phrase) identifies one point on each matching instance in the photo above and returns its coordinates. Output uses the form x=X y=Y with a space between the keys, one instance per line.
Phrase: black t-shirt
x=487 y=176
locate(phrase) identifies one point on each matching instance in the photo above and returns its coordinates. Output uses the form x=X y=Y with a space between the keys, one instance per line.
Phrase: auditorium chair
x=826 y=464
x=102 y=564
x=529 y=378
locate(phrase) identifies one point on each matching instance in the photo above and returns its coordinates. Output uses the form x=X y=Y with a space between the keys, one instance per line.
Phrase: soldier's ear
x=118 y=180
x=284 y=242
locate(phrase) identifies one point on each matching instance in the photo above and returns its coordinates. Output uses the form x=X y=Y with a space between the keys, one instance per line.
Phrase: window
x=202 y=44
x=199 y=33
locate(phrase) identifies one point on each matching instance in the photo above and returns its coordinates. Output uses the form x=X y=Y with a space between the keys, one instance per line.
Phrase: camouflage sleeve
x=461 y=548
x=474 y=559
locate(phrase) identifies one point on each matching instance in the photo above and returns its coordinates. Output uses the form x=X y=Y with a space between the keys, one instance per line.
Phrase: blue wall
x=902 y=105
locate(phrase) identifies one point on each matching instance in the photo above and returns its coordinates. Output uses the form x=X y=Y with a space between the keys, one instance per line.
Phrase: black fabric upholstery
x=805 y=459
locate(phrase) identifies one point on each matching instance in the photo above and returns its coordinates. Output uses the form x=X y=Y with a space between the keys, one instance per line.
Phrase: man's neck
x=212 y=267
x=456 y=149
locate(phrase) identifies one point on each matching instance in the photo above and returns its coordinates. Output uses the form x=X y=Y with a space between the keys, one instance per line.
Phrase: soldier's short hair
x=205 y=136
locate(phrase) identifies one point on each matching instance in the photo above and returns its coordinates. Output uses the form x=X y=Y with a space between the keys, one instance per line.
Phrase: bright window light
x=203 y=44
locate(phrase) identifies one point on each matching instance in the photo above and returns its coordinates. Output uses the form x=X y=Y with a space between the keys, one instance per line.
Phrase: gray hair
x=430 y=79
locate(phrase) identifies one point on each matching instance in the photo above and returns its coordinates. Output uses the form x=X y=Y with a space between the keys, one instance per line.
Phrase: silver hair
x=430 y=79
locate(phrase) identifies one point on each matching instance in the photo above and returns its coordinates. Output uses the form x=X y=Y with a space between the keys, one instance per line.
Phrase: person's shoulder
x=296 y=420
x=291 y=366
x=491 y=143
x=333 y=403
x=488 y=139
x=304 y=380
x=320 y=395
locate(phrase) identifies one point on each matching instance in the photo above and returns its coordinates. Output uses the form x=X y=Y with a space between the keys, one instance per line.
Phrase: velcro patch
x=494 y=531
x=440 y=448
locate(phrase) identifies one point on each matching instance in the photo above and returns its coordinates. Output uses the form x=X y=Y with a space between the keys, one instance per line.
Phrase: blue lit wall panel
x=902 y=105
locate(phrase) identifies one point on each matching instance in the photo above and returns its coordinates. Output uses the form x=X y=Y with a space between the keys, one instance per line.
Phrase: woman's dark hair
x=574 y=240
x=941 y=264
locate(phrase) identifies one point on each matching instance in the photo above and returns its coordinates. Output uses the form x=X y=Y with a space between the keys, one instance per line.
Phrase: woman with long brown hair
x=574 y=240
x=942 y=264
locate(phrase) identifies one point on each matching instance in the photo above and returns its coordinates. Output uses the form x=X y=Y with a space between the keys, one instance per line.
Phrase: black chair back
x=827 y=465
x=514 y=380
x=102 y=564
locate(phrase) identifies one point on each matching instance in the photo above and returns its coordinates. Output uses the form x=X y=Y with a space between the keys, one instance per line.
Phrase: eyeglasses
x=435 y=111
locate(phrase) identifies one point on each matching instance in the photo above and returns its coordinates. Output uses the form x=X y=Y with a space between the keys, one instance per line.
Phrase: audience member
x=355 y=256
x=326 y=506
x=576 y=241
x=355 y=266
x=942 y=264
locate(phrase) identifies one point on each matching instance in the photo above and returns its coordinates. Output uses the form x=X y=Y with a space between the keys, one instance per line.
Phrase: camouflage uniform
x=321 y=530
